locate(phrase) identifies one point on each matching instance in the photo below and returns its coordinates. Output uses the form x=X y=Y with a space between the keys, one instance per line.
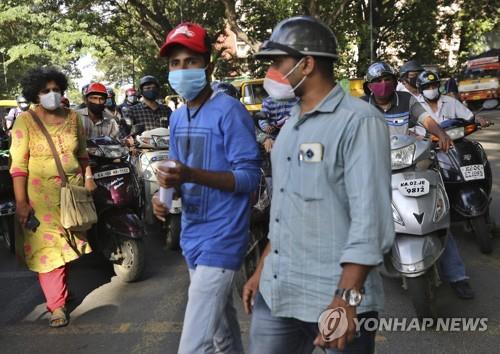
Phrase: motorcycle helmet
x=226 y=88
x=96 y=88
x=300 y=36
x=131 y=96
x=409 y=66
x=148 y=79
x=376 y=71
x=427 y=78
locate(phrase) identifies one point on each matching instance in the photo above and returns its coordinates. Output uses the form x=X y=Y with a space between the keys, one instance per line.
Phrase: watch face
x=355 y=298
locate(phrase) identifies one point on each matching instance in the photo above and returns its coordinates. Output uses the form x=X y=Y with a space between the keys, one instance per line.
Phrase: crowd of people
x=327 y=234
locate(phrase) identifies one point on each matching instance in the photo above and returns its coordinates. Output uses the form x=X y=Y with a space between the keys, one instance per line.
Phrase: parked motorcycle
x=420 y=210
x=153 y=146
x=468 y=180
x=119 y=231
x=7 y=200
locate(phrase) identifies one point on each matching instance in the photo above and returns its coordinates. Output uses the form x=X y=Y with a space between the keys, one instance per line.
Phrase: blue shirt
x=219 y=137
x=331 y=204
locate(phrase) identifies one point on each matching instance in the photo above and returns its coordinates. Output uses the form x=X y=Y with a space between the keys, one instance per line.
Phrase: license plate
x=109 y=173
x=472 y=172
x=414 y=187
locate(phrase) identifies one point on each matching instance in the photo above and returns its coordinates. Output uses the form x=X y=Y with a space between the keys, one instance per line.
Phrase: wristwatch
x=353 y=297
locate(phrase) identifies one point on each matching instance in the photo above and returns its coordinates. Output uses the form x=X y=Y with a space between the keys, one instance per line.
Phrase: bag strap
x=52 y=147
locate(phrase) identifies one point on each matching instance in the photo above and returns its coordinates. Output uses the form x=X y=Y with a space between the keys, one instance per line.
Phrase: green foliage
x=124 y=35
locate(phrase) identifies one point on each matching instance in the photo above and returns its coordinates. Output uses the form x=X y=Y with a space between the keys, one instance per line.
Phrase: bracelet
x=89 y=177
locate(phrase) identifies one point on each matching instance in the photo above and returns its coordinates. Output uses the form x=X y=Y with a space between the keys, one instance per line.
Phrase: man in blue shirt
x=331 y=220
x=212 y=141
x=276 y=112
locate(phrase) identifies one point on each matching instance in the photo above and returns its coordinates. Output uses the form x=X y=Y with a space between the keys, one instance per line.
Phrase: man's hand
x=159 y=209
x=268 y=144
x=483 y=121
x=268 y=129
x=445 y=142
x=249 y=291
x=349 y=335
x=173 y=176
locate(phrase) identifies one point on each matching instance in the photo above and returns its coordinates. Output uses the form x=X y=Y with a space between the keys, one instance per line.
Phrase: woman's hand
x=23 y=211
x=89 y=180
x=90 y=184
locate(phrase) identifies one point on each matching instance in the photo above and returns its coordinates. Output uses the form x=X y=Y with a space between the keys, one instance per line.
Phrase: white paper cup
x=166 y=194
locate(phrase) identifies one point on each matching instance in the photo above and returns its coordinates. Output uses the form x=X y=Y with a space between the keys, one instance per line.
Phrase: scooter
x=468 y=180
x=420 y=210
x=7 y=200
x=153 y=146
x=119 y=231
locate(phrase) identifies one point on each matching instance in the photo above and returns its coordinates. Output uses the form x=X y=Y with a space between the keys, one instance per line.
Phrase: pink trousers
x=54 y=287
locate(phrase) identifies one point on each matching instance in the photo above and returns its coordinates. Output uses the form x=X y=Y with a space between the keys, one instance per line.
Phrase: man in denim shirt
x=331 y=218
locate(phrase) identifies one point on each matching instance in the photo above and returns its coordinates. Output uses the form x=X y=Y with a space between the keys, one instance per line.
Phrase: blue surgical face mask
x=188 y=83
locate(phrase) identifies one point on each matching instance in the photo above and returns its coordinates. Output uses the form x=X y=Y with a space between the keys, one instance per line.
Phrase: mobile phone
x=32 y=223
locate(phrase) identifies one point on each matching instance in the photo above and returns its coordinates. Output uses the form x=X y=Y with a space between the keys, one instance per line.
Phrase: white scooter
x=153 y=145
x=420 y=210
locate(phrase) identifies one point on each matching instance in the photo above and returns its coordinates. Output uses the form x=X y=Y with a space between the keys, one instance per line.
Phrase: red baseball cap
x=189 y=35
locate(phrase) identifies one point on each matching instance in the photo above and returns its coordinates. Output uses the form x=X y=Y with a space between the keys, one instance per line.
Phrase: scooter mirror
x=137 y=129
x=490 y=104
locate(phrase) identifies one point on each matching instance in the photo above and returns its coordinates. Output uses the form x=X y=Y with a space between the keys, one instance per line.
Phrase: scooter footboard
x=121 y=222
x=470 y=201
x=413 y=255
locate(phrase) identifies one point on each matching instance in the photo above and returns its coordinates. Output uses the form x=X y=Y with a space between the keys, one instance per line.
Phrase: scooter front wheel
x=131 y=264
x=482 y=233
x=421 y=291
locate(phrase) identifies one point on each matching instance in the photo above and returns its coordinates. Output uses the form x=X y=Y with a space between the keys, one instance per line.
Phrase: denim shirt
x=331 y=205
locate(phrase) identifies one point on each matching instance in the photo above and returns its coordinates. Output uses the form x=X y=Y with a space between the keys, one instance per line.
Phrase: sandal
x=58 y=318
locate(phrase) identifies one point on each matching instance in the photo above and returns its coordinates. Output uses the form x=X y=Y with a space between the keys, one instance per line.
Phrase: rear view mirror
x=137 y=129
x=247 y=100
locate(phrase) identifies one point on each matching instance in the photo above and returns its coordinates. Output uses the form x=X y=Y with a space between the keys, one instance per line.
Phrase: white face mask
x=431 y=94
x=278 y=86
x=51 y=101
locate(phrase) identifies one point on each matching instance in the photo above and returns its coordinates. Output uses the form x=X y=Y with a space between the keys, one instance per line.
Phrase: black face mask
x=96 y=108
x=151 y=94
x=412 y=81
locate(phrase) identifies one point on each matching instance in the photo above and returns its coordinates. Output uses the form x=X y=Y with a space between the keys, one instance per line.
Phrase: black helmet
x=379 y=69
x=148 y=79
x=376 y=70
x=410 y=65
x=426 y=78
x=300 y=36
x=225 y=87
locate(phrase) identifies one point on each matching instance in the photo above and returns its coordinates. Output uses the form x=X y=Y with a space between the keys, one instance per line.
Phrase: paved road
x=108 y=316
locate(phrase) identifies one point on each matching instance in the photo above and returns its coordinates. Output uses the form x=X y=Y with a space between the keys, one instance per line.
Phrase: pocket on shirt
x=309 y=181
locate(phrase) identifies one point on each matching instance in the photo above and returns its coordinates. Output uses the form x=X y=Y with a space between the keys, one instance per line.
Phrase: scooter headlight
x=113 y=151
x=456 y=133
x=402 y=158
x=161 y=141
x=442 y=204
x=396 y=217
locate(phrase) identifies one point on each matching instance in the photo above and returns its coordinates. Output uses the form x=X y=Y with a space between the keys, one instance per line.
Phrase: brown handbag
x=77 y=206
